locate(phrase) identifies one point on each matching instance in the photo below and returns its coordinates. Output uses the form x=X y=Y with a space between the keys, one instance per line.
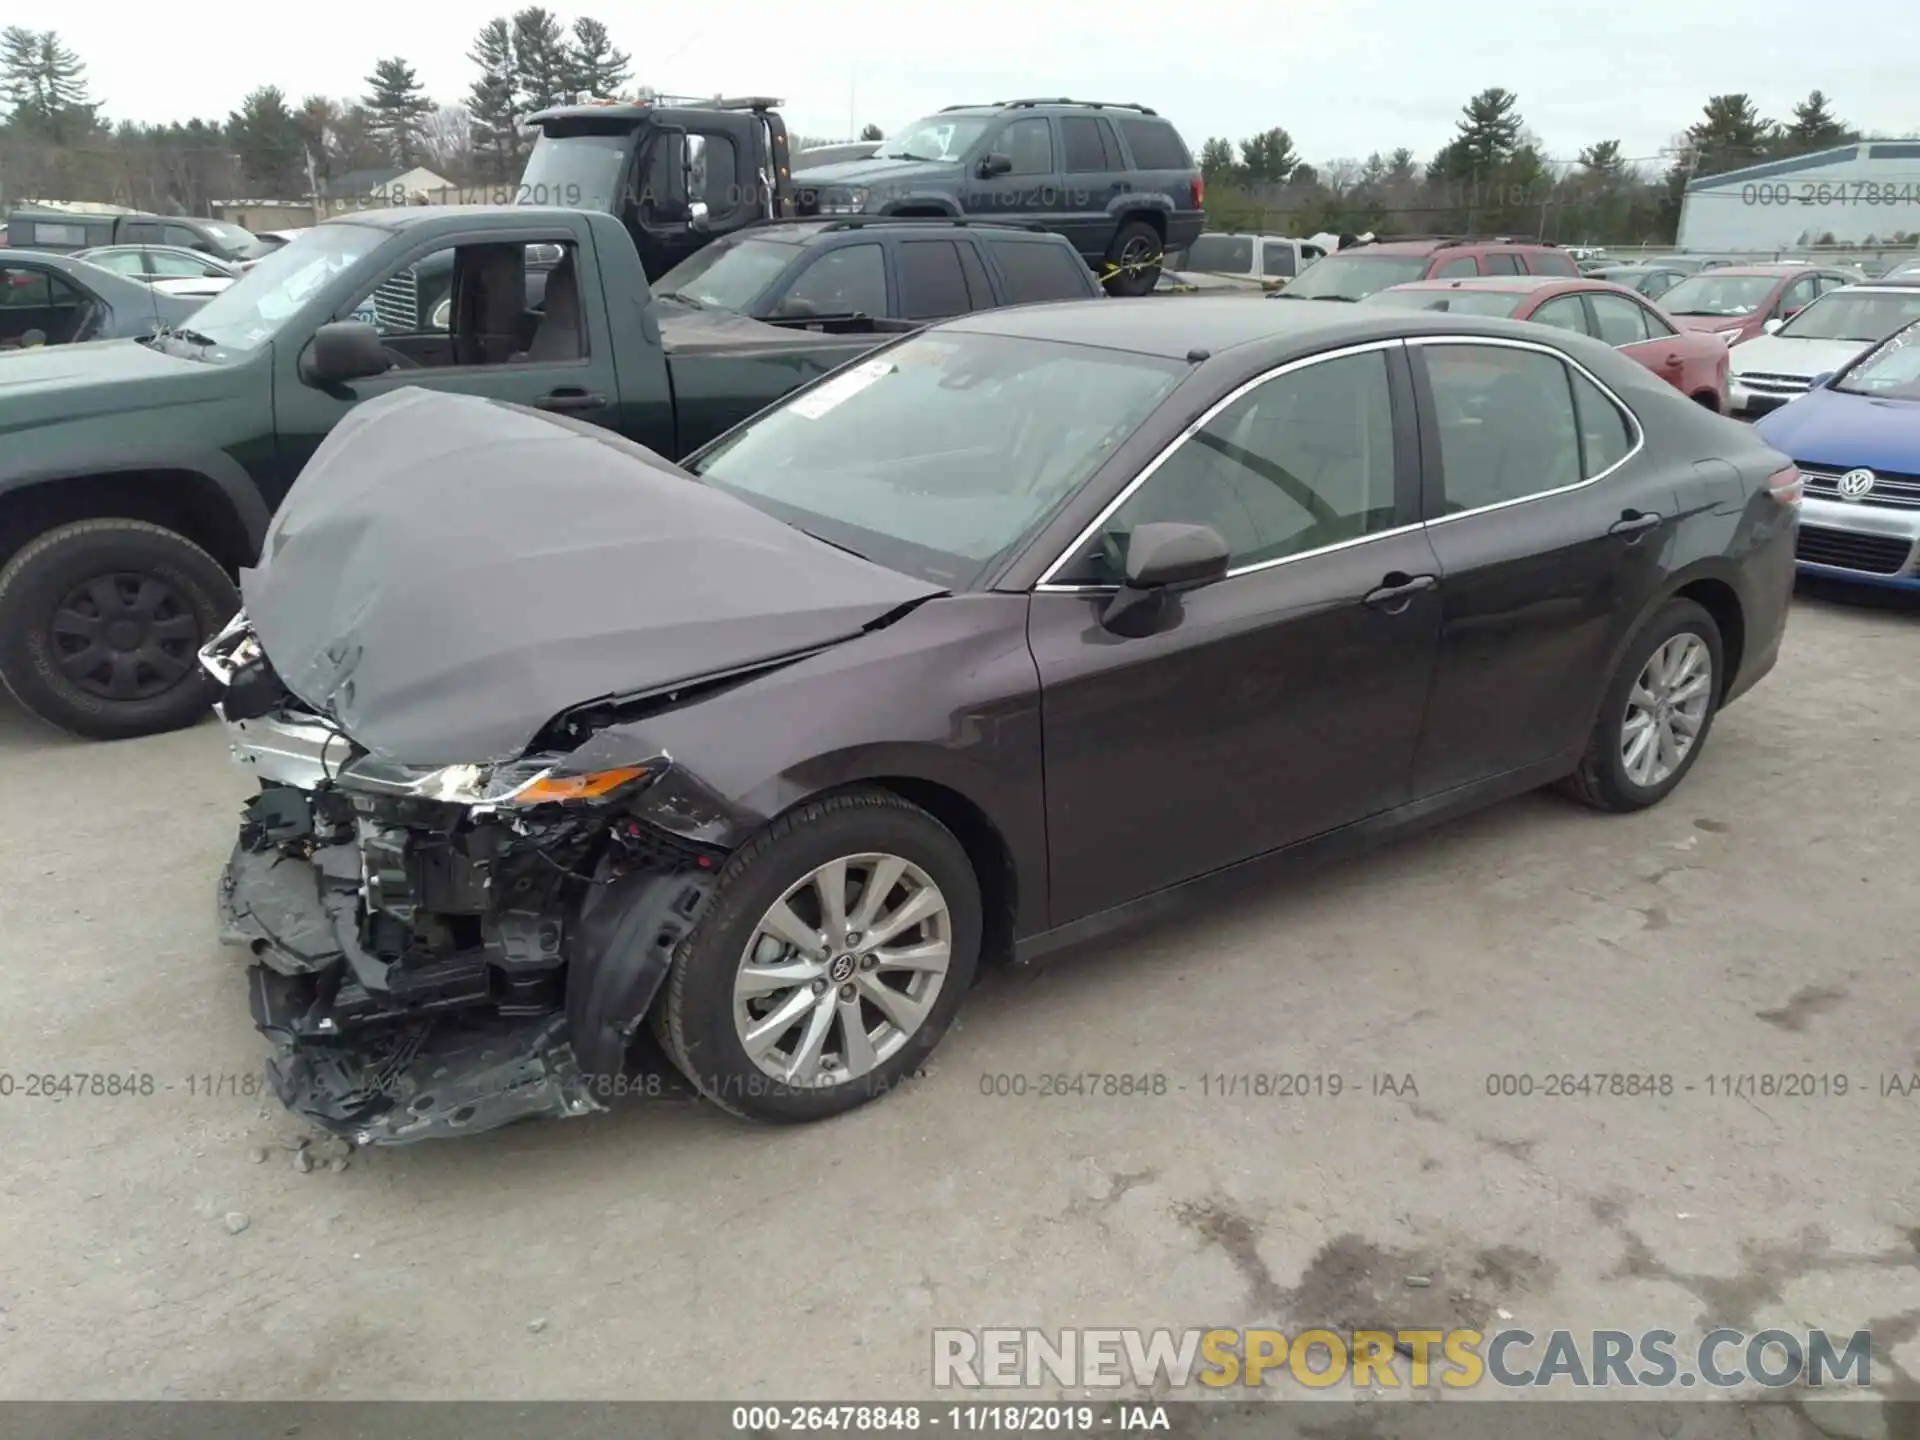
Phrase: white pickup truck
x=1229 y=260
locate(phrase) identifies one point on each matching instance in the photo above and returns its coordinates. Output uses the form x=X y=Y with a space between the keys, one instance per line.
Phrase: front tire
x=101 y=623
x=1657 y=713
x=835 y=951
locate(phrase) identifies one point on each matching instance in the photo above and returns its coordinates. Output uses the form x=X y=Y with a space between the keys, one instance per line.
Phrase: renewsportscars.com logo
x=1724 y=1359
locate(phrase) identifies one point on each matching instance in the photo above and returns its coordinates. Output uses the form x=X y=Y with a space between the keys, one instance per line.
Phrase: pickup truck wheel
x=1135 y=252
x=101 y=622
x=833 y=954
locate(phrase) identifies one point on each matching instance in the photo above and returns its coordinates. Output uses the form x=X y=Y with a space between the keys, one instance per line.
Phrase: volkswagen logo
x=1855 y=484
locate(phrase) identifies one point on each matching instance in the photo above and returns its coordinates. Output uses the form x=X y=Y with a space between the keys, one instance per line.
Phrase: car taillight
x=1199 y=193
x=1786 y=486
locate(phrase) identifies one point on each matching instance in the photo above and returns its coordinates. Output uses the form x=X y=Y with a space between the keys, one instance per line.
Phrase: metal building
x=1864 y=194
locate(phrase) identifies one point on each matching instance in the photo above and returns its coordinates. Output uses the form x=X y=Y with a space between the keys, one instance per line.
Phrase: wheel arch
x=209 y=500
x=1710 y=586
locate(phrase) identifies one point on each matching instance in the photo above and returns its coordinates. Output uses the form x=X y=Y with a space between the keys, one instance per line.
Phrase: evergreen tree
x=1217 y=164
x=493 y=102
x=44 y=85
x=269 y=145
x=395 y=106
x=542 y=63
x=1729 y=134
x=597 y=68
x=1602 y=159
x=1269 y=156
x=1485 y=139
x=1814 y=127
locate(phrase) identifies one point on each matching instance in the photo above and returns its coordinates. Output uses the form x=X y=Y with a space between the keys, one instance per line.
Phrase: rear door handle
x=1396 y=592
x=571 y=400
x=1634 y=522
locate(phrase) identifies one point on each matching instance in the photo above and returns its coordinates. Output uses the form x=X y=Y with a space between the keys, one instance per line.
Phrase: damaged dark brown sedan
x=985 y=645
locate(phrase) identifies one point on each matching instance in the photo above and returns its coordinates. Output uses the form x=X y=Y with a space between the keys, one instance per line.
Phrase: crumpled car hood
x=450 y=573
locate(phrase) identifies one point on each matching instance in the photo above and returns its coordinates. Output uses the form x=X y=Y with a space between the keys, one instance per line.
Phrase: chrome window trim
x=1633 y=420
x=1045 y=583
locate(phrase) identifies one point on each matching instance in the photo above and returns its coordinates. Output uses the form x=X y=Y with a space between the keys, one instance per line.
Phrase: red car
x=1693 y=363
x=1735 y=302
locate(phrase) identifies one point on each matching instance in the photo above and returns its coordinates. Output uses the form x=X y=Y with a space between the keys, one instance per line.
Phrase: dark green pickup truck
x=136 y=477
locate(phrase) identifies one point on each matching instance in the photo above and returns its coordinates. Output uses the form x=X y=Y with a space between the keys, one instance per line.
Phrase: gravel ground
x=172 y=1244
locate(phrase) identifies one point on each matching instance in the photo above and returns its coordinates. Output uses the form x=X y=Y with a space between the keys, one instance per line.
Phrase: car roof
x=1434 y=247
x=1777 y=271
x=1895 y=285
x=1501 y=282
x=1187 y=327
x=807 y=232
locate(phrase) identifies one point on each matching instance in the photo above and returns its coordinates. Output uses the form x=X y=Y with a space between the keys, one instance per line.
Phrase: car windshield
x=938 y=137
x=1354 y=277
x=575 y=172
x=1845 y=315
x=1719 y=295
x=1889 y=371
x=942 y=453
x=729 y=274
x=248 y=313
x=1458 y=302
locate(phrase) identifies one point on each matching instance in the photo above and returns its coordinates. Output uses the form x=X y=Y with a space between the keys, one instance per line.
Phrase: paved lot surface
x=1764 y=920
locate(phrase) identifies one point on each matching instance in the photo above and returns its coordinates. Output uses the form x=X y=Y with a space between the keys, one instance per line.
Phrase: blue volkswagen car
x=1856 y=437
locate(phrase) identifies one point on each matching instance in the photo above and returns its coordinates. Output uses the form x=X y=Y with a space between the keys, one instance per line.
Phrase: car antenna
x=1196 y=355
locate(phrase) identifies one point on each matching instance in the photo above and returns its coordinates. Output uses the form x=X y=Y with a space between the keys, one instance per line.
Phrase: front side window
x=120 y=262
x=1029 y=144
x=472 y=305
x=1507 y=424
x=850 y=280
x=1621 y=321
x=1300 y=462
x=943 y=452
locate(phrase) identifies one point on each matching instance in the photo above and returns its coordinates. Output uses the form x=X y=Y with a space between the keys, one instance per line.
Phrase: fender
x=214 y=465
x=1124 y=205
x=1712 y=567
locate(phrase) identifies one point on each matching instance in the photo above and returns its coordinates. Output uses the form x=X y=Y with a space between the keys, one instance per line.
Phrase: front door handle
x=1396 y=592
x=1634 y=522
x=571 y=400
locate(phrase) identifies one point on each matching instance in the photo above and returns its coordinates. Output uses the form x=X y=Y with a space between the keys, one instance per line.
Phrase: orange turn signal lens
x=591 y=786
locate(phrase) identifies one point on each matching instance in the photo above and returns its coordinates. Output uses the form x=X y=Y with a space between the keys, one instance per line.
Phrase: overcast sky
x=1343 y=76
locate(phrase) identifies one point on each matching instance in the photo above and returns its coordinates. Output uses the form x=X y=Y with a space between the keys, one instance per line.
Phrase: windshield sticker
x=840 y=389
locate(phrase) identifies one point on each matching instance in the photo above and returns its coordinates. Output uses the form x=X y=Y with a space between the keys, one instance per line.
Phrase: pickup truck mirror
x=992 y=165
x=344 y=350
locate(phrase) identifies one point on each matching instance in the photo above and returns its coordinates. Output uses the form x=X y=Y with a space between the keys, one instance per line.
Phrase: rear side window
x=1155 y=144
x=1501 y=263
x=1276 y=259
x=1605 y=436
x=1080 y=137
x=932 y=286
x=1463 y=265
x=46 y=234
x=1036 y=271
x=1507 y=424
x=1564 y=313
x=1551 y=262
x=1621 y=321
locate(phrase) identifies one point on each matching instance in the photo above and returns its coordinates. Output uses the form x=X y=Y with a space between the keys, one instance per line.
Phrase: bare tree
x=446 y=139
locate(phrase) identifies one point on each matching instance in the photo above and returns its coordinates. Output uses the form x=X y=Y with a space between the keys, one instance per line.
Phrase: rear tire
x=800 y=1073
x=100 y=606
x=1134 y=244
x=1617 y=773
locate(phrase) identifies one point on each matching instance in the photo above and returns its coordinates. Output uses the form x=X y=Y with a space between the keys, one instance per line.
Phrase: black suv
x=1116 y=180
x=878 y=274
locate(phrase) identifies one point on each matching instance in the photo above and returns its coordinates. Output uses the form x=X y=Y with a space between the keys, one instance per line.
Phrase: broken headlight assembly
x=515 y=784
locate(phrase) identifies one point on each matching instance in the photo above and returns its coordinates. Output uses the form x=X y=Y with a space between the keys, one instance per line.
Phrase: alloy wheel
x=842 y=970
x=1666 y=709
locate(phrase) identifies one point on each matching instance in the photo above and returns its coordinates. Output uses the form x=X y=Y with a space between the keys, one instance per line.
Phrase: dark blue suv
x=1116 y=180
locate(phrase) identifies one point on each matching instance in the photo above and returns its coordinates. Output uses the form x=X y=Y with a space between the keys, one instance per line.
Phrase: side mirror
x=1165 y=559
x=697 y=215
x=344 y=350
x=1772 y=327
x=993 y=165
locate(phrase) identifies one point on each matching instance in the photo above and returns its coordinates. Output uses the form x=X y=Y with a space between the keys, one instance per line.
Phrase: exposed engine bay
x=432 y=964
